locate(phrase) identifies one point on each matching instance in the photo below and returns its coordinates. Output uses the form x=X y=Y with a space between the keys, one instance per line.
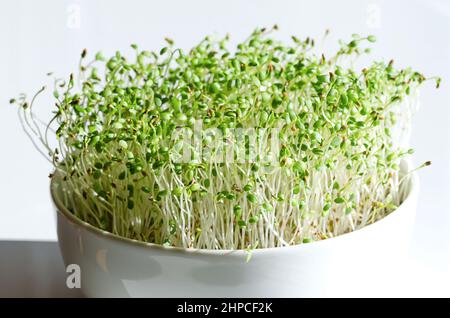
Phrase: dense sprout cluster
x=336 y=167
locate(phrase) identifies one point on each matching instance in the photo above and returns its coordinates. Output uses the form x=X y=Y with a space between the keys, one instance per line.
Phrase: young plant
x=263 y=146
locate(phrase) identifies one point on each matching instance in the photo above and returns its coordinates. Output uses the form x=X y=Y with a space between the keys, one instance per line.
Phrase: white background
x=41 y=36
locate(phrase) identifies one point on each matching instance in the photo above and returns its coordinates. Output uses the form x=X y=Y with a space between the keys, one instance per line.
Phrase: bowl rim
x=413 y=186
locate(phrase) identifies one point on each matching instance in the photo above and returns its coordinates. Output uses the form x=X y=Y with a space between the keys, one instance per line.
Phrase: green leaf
x=251 y=198
x=371 y=38
x=339 y=200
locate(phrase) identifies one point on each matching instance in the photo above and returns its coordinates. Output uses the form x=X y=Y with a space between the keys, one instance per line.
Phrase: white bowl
x=112 y=266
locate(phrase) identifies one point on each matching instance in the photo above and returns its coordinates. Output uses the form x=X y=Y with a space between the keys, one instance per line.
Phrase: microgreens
x=336 y=169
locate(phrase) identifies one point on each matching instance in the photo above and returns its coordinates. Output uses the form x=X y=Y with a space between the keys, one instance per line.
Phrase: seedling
x=131 y=160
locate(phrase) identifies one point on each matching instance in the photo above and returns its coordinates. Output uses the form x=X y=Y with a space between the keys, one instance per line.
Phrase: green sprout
x=336 y=167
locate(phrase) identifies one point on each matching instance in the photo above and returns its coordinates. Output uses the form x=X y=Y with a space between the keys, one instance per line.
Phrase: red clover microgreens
x=335 y=168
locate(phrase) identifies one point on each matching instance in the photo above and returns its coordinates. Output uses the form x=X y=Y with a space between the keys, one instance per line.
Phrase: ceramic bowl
x=112 y=266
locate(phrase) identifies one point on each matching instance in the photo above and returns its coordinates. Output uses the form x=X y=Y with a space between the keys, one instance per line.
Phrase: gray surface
x=32 y=269
x=36 y=269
